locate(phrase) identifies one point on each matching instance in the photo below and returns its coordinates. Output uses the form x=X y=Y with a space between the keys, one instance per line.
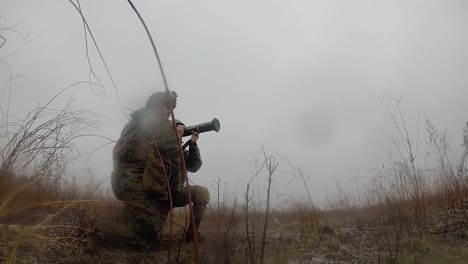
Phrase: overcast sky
x=298 y=77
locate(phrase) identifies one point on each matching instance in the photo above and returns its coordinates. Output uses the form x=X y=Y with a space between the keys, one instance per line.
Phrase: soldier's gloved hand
x=180 y=131
x=194 y=137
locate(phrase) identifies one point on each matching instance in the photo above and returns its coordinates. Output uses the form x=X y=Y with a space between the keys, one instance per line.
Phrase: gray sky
x=299 y=77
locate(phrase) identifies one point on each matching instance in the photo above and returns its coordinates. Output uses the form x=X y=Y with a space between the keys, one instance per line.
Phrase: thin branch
x=101 y=56
x=3 y=42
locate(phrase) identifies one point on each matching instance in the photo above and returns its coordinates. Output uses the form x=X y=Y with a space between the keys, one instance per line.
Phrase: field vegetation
x=411 y=210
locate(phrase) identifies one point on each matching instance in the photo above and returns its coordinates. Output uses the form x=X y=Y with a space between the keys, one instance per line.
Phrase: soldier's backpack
x=136 y=156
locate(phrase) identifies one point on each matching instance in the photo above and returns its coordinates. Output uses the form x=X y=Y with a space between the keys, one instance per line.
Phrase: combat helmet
x=158 y=99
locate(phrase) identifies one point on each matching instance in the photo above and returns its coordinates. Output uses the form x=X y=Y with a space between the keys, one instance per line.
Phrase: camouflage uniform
x=147 y=166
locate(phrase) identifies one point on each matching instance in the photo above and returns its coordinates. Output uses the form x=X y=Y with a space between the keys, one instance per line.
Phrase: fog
x=301 y=78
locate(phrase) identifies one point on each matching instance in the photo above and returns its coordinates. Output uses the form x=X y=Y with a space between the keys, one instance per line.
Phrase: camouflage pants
x=146 y=217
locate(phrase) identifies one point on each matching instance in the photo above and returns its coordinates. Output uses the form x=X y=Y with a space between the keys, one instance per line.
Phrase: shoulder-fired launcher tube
x=213 y=125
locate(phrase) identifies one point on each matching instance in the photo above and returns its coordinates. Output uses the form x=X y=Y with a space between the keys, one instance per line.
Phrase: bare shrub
x=34 y=187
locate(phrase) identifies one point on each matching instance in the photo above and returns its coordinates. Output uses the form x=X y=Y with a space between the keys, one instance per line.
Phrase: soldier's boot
x=198 y=212
x=149 y=231
x=200 y=198
x=112 y=232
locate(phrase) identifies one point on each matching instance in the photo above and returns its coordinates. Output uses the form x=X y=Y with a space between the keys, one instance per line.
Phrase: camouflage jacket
x=146 y=157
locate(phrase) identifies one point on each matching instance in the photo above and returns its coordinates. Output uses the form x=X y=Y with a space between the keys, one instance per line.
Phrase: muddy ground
x=295 y=242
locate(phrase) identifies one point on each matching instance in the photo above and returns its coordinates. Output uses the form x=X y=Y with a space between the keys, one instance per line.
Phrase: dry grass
x=410 y=211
